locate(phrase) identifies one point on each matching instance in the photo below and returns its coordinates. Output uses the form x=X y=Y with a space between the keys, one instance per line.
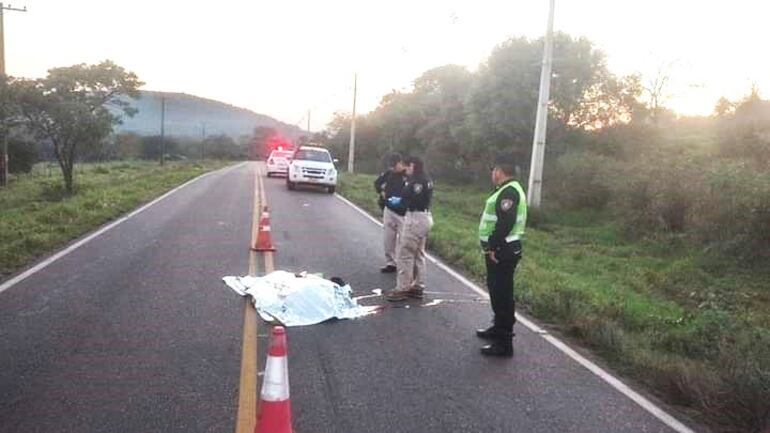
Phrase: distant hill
x=187 y=115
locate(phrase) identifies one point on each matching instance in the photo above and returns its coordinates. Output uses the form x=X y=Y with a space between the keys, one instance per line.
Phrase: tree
x=724 y=108
x=128 y=145
x=71 y=108
x=395 y=123
x=752 y=108
x=8 y=103
x=609 y=102
x=262 y=137
x=338 y=133
x=447 y=83
x=23 y=154
x=222 y=147
x=442 y=92
x=502 y=104
x=744 y=128
x=656 y=90
x=459 y=119
x=369 y=144
x=151 y=146
x=9 y=116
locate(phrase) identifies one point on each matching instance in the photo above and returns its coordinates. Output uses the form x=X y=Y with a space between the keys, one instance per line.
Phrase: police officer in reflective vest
x=500 y=232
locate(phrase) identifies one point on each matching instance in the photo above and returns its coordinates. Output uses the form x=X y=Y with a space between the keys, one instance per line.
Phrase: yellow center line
x=247 y=392
x=267 y=255
x=269 y=262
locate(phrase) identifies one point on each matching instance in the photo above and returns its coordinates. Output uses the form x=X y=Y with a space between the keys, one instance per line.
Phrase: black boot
x=502 y=348
x=388 y=269
x=492 y=333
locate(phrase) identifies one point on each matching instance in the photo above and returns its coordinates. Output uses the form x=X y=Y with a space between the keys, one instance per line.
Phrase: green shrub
x=733 y=213
x=22 y=155
x=655 y=193
x=697 y=336
x=580 y=180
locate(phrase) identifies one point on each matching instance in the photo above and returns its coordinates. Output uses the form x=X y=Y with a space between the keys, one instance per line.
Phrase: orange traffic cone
x=274 y=414
x=264 y=240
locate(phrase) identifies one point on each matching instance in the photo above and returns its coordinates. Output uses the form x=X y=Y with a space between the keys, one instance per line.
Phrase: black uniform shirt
x=506 y=209
x=417 y=193
x=392 y=183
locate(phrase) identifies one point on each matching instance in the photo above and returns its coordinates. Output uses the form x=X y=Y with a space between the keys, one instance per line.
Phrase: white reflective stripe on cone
x=265 y=228
x=275 y=383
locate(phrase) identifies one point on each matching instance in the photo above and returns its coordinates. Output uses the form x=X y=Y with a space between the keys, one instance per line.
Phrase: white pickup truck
x=312 y=166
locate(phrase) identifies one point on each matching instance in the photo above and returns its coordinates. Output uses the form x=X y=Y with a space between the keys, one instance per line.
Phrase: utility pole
x=308 y=123
x=352 y=149
x=538 y=145
x=162 y=130
x=4 y=160
x=2 y=33
x=203 y=140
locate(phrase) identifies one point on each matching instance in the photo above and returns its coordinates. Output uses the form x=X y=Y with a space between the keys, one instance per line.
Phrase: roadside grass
x=694 y=329
x=37 y=216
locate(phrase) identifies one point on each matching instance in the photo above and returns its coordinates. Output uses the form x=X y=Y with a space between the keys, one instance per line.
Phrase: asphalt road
x=135 y=332
x=418 y=369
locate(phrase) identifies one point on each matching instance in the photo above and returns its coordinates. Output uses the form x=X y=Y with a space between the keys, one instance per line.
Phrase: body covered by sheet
x=298 y=300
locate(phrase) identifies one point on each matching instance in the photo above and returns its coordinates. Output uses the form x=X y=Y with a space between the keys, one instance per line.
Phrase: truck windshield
x=313 y=155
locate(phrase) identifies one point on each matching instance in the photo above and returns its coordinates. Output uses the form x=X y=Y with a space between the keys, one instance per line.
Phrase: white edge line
x=45 y=263
x=613 y=381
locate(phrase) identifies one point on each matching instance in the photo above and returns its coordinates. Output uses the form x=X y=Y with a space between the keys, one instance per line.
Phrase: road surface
x=133 y=331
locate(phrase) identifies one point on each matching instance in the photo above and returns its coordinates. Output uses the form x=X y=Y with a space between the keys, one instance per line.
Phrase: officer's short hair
x=419 y=166
x=506 y=163
x=393 y=159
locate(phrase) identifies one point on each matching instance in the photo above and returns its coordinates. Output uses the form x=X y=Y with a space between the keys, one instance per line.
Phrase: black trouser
x=500 y=285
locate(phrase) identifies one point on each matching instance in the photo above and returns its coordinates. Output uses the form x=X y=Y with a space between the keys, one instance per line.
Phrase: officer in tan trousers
x=416 y=199
x=389 y=184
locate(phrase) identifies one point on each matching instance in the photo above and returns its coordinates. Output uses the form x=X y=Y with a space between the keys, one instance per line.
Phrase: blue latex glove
x=394 y=201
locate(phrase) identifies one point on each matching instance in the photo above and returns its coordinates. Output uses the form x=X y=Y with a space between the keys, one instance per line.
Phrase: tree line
x=612 y=144
x=73 y=108
x=69 y=116
x=458 y=119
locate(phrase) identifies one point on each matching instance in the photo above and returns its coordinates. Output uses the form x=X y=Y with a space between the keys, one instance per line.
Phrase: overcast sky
x=282 y=58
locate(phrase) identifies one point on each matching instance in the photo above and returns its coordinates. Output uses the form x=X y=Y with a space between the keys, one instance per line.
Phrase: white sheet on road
x=296 y=300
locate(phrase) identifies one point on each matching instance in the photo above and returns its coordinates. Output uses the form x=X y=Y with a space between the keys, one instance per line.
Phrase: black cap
x=506 y=162
x=394 y=158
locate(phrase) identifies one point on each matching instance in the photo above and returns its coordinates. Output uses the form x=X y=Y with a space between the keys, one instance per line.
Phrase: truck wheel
x=290 y=185
x=331 y=189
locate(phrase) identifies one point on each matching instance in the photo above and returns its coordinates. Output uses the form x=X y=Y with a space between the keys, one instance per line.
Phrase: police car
x=278 y=162
x=312 y=165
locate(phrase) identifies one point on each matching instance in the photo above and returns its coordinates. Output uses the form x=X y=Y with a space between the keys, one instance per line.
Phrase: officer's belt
x=485 y=244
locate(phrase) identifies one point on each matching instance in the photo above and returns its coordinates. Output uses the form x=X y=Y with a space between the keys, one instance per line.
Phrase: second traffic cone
x=275 y=406
x=264 y=238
